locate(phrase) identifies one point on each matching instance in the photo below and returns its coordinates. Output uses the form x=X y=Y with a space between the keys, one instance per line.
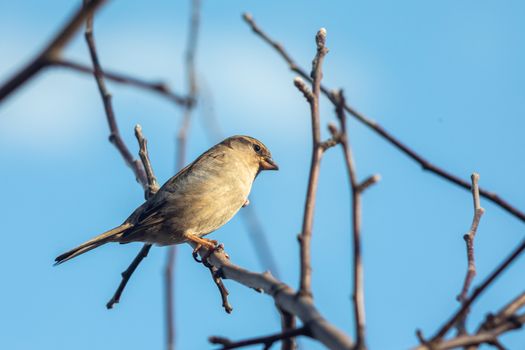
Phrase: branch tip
x=301 y=86
x=334 y=131
x=247 y=17
x=320 y=38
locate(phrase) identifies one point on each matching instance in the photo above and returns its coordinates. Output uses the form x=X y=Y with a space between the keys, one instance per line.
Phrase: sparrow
x=198 y=200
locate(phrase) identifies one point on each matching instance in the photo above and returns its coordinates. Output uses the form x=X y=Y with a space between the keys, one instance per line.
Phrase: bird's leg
x=246 y=203
x=209 y=244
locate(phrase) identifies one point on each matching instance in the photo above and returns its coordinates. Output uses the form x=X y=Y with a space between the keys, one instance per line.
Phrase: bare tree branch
x=159 y=88
x=216 y=276
x=284 y=297
x=504 y=321
x=469 y=242
x=126 y=275
x=315 y=165
x=357 y=189
x=287 y=324
x=169 y=305
x=425 y=164
x=489 y=336
x=507 y=311
x=477 y=292
x=114 y=136
x=152 y=188
x=469 y=239
x=267 y=341
x=52 y=50
x=153 y=185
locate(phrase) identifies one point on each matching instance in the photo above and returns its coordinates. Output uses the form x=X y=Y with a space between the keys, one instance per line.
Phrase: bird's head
x=253 y=151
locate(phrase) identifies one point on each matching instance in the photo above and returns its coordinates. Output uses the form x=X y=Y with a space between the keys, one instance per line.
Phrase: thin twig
x=357 y=189
x=182 y=138
x=315 y=165
x=425 y=164
x=287 y=324
x=507 y=312
x=52 y=50
x=114 y=136
x=216 y=276
x=267 y=341
x=512 y=307
x=469 y=239
x=169 y=298
x=126 y=275
x=469 y=242
x=157 y=87
x=153 y=185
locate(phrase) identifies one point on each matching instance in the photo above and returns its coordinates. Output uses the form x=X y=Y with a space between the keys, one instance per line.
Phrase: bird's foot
x=210 y=244
x=246 y=203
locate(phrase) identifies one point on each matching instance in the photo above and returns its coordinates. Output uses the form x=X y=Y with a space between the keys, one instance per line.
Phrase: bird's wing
x=213 y=155
x=155 y=211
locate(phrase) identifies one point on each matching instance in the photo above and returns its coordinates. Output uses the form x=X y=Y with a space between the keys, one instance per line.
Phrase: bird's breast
x=212 y=196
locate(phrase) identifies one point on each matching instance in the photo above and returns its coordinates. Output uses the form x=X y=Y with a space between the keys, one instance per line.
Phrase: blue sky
x=446 y=77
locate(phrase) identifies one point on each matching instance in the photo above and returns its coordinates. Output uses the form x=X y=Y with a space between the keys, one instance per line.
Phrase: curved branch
x=285 y=298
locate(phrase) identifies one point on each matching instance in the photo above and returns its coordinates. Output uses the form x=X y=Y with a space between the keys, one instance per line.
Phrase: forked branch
x=284 y=297
x=378 y=129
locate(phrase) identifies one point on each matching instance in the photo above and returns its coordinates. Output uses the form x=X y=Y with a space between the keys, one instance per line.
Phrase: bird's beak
x=267 y=163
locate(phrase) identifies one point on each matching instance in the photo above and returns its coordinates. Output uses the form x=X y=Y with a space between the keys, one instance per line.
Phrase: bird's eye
x=257 y=148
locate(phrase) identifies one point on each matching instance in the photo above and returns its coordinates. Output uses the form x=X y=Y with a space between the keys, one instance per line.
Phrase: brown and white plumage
x=199 y=199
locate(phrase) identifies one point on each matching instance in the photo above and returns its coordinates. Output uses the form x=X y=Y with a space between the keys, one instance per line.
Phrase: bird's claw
x=214 y=245
x=195 y=253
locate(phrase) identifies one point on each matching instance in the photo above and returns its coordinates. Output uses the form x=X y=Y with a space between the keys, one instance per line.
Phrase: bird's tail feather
x=93 y=243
